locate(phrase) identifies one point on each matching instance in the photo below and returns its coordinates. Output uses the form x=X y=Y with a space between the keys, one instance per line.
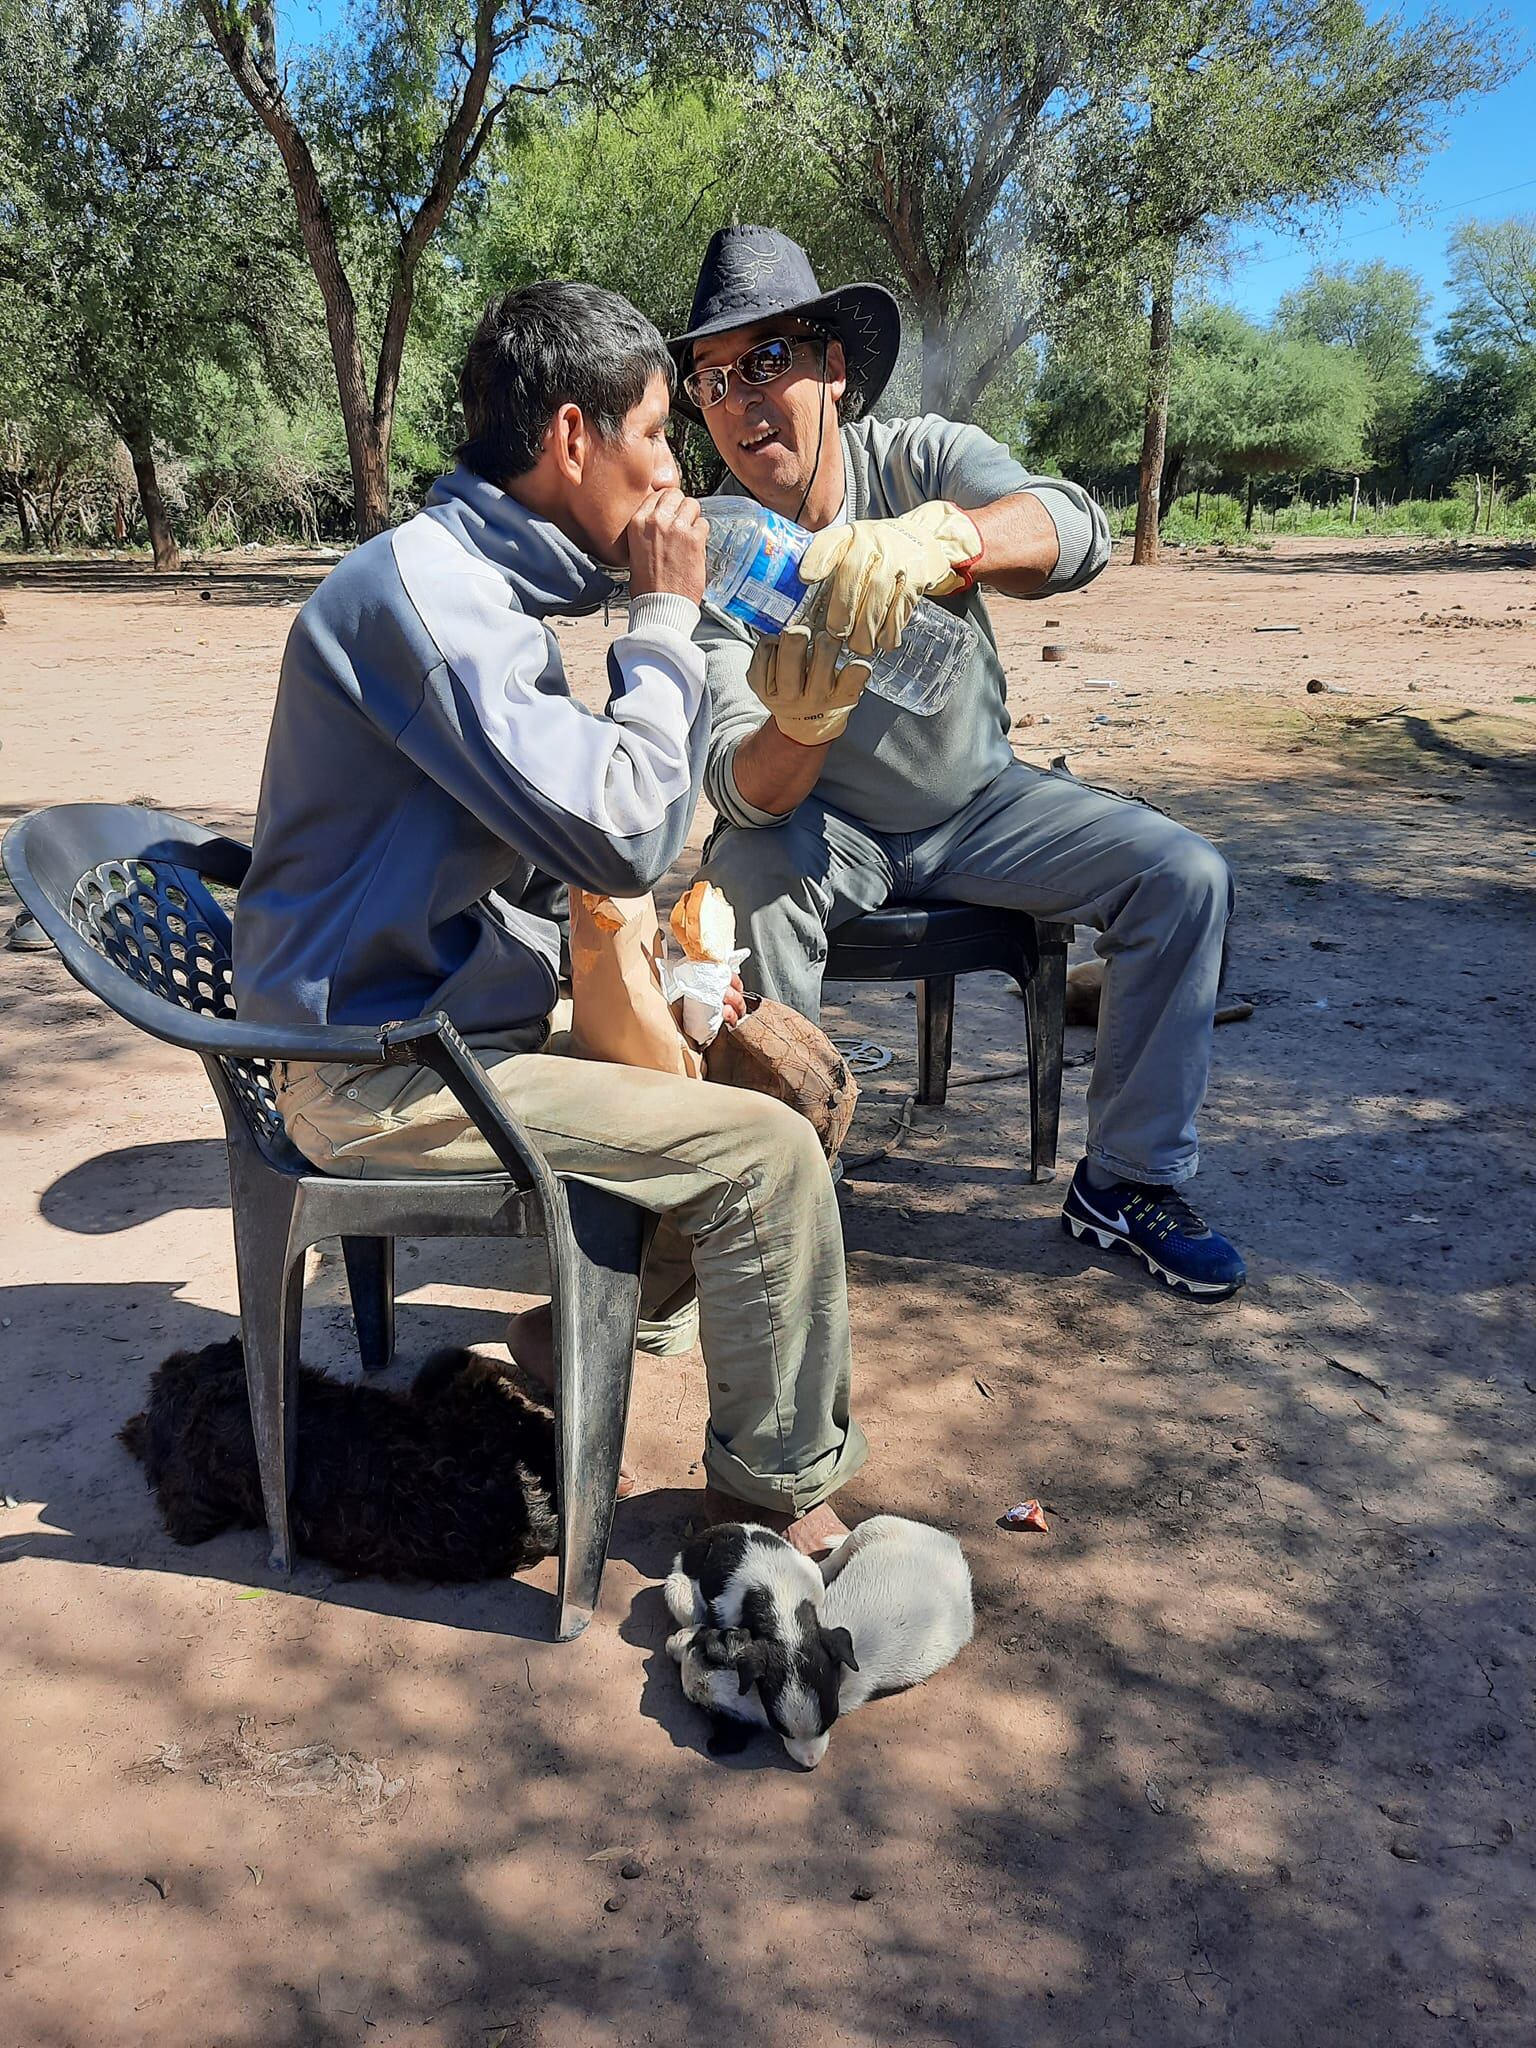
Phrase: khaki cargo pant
x=750 y=1222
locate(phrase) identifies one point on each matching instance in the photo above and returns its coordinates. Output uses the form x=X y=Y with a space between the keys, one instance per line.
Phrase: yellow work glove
x=797 y=677
x=876 y=570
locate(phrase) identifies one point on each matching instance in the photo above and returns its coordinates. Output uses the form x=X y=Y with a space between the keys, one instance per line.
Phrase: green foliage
x=629 y=197
x=1220 y=518
x=143 y=241
x=1493 y=273
x=1380 y=313
x=1242 y=402
x=1476 y=416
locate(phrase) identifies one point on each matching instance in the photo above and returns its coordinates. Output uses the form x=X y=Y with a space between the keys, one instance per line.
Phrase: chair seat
x=911 y=941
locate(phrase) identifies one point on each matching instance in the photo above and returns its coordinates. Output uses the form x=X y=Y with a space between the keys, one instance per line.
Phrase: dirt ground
x=1243 y=1750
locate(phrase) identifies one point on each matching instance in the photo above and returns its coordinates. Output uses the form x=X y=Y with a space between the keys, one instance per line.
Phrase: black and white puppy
x=751 y=1643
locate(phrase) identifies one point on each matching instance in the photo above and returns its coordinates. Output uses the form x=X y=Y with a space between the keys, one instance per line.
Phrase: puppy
x=902 y=1592
x=453 y=1480
x=752 y=1645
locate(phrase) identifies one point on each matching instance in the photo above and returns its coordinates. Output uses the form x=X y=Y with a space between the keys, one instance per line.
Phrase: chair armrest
x=433 y=1042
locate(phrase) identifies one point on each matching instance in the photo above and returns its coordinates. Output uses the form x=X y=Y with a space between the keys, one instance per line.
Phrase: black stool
x=930 y=943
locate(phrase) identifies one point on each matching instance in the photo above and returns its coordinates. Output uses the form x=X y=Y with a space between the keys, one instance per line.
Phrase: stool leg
x=371 y=1283
x=935 y=1036
x=1045 y=1007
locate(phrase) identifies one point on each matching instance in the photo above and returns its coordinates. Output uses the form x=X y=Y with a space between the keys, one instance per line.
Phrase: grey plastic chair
x=128 y=897
x=930 y=943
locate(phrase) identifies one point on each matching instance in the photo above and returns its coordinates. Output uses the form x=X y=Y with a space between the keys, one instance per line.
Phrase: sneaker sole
x=1111 y=1240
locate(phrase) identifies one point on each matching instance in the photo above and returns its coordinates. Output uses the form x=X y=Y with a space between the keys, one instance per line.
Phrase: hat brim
x=865 y=318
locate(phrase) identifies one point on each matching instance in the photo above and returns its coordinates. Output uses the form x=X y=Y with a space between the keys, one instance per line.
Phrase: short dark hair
x=543 y=346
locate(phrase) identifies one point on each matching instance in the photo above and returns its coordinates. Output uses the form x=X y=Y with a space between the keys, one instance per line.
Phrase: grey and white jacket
x=892 y=770
x=429 y=776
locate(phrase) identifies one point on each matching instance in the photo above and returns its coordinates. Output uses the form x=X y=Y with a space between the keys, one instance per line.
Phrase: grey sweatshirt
x=891 y=769
x=429 y=776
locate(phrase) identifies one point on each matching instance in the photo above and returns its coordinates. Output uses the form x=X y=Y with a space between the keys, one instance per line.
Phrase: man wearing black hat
x=832 y=803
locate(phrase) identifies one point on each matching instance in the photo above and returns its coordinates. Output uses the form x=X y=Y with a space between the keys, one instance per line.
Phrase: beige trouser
x=750 y=1215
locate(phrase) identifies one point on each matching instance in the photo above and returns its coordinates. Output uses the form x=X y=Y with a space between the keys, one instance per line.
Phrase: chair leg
x=935 y=1036
x=271 y=1284
x=1045 y=1007
x=595 y=1275
x=371 y=1283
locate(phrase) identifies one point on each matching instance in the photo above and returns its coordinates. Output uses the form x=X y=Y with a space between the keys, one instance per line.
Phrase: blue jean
x=1158 y=894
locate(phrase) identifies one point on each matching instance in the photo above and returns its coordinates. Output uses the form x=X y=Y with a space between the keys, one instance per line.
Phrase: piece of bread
x=704 y=924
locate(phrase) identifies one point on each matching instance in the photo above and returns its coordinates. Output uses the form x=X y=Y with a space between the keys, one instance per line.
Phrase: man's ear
x=837 y=371
x=568 y=443
x=839 y=1646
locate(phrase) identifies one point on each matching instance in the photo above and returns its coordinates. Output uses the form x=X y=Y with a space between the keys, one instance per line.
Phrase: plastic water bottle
x=753 y=569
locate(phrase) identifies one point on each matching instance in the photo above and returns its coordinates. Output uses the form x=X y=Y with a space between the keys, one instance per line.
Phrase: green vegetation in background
x=1015 y=179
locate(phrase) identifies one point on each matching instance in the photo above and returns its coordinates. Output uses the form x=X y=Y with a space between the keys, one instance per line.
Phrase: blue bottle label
x=772 y=592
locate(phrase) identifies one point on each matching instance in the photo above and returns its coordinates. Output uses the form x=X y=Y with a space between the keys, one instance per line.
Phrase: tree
x=139 y=238
x=1243 y=402
x=945 y=134
x=628 y=197
x=378 y=130
x=1493 y=273
x=1379 y=312
x=1477 y=418
x=1256 y=110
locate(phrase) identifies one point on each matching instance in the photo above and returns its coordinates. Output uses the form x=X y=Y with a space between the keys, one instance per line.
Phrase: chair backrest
x=158 y=923
x=138 y=887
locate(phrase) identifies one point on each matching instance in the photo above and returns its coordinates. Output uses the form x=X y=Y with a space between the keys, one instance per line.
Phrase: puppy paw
x=678 y=1645
x=682 y=1597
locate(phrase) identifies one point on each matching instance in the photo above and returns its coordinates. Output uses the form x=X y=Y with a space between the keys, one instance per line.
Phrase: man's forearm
x=773 y=773
x=1019 y=545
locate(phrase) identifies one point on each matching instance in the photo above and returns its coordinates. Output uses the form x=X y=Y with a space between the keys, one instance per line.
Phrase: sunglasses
x=764 y=363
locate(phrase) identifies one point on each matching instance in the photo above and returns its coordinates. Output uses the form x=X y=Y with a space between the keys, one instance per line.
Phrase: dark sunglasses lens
x=705 y=387
x=770 y=359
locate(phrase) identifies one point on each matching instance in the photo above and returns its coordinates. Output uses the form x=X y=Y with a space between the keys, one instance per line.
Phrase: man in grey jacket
x=833 y=802
x=430 y=781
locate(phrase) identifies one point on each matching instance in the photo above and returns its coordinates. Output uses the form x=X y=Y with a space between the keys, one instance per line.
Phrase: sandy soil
x=1243 y=1750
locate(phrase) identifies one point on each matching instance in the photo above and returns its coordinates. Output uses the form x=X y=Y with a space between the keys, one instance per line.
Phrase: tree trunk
x=1354 y=503
x=246 y=39
x=938 y=363
x=119 y=520
x=1155 y=427
x=1477 y=503
x=1248 y=511
x=161 y=539
x=1493 y=492
x=24 y=519
x=1199 y=493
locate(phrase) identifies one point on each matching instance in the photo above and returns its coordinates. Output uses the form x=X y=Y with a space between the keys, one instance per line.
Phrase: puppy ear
x=752 y=1665
x=839 y=1646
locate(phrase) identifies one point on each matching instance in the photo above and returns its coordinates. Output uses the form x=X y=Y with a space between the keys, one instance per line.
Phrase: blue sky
x=1490 y=146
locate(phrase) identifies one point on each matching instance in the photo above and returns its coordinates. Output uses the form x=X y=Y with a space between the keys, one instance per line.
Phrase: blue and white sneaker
x=1160 y=1227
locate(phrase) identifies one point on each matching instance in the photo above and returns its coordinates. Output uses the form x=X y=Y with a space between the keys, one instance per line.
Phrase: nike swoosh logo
x=1117 y=1222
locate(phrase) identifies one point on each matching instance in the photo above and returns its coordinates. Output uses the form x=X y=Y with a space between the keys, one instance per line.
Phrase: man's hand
x=797 y=677
x=734 y=1003
x=665 y=542
x=876 y=570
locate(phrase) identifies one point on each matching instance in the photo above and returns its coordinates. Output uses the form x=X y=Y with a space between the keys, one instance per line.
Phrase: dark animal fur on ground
x=453 y=1480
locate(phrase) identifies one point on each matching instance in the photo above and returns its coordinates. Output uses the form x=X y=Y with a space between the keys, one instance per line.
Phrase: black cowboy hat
x=752 y=274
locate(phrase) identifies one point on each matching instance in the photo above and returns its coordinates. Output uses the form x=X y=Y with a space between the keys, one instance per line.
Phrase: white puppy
x=902 y=1592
